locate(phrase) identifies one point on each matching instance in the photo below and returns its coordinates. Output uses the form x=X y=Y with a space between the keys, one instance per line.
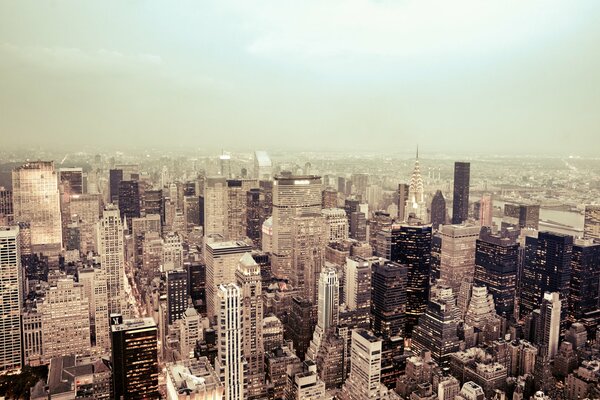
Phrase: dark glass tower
x=253 y=214
x=438 y=210
x=496 y=264
x=114 y=180
x=134 y=358
x=547 y=268
x=177 y=294
x=197 y=285
x=585 y=278
x=436 y=256
x=388 y=299
x=129 y=200
x=153 y=203
x=301 y=324
x=460 y=201
x=411 y=246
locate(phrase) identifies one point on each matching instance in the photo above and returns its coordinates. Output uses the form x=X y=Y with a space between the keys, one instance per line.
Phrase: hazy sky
x=504 y=76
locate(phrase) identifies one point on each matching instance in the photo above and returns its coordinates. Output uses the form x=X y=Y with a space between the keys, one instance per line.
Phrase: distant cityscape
x=258 y=276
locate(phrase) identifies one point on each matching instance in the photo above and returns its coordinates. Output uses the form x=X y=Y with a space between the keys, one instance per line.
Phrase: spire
x=417 y=152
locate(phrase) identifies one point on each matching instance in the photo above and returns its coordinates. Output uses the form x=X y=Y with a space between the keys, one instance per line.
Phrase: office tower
x=249 y=282
x=112 y=257
x=358 y=226
x=177 y=294
x=591 y=226
x=436 y=256
x=337 y=224
x=6 y=206
x=411 y=247
x=172 y=252
x=11 y=296
x=438 y=210
x=230 y=363
x=415 y=206
x=96 y=291
x=237 y=190
x=73 y=177
x=402 y=194
x=114 y=180
x=486 y=210
x=388 y=298
x=263 y=167
x=222 y=260
x=437 y=328
x=547 y=268
x=304 y=382
x=457 y=261
x=292 y=196
x=329 y=198
x=272 y=329
x=134 y=358
x=84 y=210
x=129 y=200
x=153 y=203
x=190 y=332
x=309 y=239
x=327 y=310
x=215 y=206
x=460 y=201
x=253 y=216
x=32 y=337
x=301 y=324
x=191 y=212
x=585 y=278
x=496 y=264
x=547 y=334
x=360 y=181
x=482 y=324
x=521 y=216
x=277 y=362
x=193 y=379
x=36 y=202
x=357 y=287
x=65 y=320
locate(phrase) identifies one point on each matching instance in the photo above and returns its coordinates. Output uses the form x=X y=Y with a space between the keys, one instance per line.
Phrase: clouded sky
x=485 y=76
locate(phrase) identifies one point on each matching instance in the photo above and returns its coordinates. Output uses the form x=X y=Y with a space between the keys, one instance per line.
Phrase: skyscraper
x=249 y=281
x=460 y=201
x=549 y=330
x=11 y=298
x=301 y=323
x=591 y=227
x=36 y=202
x=327 y=309
x=547 y=268
x=357 y=285
x=114 y=180
x=253 y=216
x=263 y=167
x=438 y=210
x=73 y=177
x=112 y=257
x=177 y=294
x=521 y=216
x=486 y=210
x=585 y=279
x=230 y=362
x=237 y=202
x=416 y=196
x=402 y=201
x=337 y=224
x=95 y=289
x=496 y=263
x=309 y=239
x=457 y=260
x=215 y=206
x=388 y=298
x=134 y=358
x=129 y=200
x=292 y=196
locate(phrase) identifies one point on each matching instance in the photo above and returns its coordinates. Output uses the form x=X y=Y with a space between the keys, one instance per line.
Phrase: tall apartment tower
x=438 y=210
x=309 y=239
x=134 y=358
x=292 y=196
x=591 y=225
x=486 y=210
x=460 y=201
x=249 y=281
x=402 y=201
x=36 y=201
x=388 y=299
x=547 y=268
x=411 y=246
x=222 y=259
x=549 y=325
x=496 y=265
x=11 y=297
x=112 y=257
x=457 y=260
x=585 y=279
x=230 y=363
x=215 y=206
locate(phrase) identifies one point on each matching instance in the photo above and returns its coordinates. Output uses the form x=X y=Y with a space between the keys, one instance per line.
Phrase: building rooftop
x=131 y=324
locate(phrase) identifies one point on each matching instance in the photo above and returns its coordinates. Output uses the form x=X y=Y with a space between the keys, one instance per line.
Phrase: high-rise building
x=36 y=201
x=114 y=180
x=6 y=206
x=177 y=294
x=437 y=328
x=249 y=281
x=292 y=196
x=357 y=283
x=415 y=206
x=547 y=268
x=496 y=264
x=11 y=298
x=129 y=200
x=521 y=216
x=548 y=332
x=153 y=203
x=134 y=358
x=486 y=210
x=388 y=298
x=585 y=279
x=215 y=206
x=73 y=177
x=172 y=252
x=460 y=201
x=263 y=167
x=328 y=308
x=301 y=323
x=360 y=181
x=253 y=216
x=438 y=210
x=411 y=246
x=230 y=363
x=65 y=320
x=96 y=291
x=304 y=382
x=337 y=224
x=309 y=239
x=237 y=201
x=193 y=379
x=358 y=226
x=112 y=257
x=482 y=324
x=457 y=261
x=329 y=198
x=222 y=260
x=402 y=201
x=591 y=226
